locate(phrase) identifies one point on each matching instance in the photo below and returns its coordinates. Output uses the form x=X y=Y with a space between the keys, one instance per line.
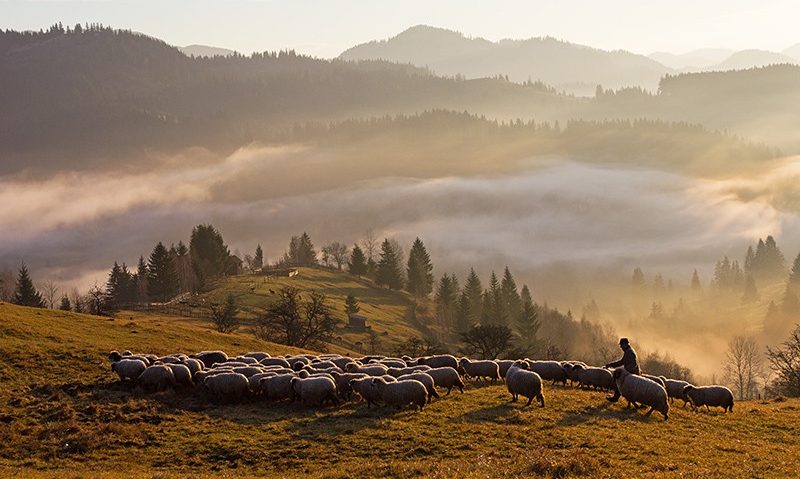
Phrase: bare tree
x=785 y=363
x=295 y=322
x=744 y=366
x=78 y=303
x=96 y=298
x=49 y=292
x=224 y=316
x=488 y=341
x=369 y=244
x=335 y=253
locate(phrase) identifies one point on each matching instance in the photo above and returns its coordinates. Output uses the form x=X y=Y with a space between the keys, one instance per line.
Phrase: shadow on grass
x=497 y=413
x=605 y=410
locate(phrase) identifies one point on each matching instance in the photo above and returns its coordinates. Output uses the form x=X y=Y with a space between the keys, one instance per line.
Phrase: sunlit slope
x=388 y=312
x=62 y=414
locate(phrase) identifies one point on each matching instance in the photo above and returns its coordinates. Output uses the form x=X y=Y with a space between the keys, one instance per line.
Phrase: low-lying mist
x=572 y=231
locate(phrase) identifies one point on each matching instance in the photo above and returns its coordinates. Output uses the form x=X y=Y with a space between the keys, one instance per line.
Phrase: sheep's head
x=114 y=356
x=619 y=372
x=687 y=389
x=522 y=364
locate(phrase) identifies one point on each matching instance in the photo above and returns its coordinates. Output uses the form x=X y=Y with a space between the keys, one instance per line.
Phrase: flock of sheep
x=398 y=382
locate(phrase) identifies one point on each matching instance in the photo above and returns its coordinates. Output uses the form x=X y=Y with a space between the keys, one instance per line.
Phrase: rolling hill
x=64 y=414
x=745 y=59
x=205 y=51
x=567 y=66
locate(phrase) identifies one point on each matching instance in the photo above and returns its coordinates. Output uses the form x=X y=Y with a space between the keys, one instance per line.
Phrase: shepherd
x=628 y=360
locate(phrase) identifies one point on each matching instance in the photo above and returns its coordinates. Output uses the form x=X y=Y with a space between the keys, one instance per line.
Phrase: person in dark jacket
x=628 y=360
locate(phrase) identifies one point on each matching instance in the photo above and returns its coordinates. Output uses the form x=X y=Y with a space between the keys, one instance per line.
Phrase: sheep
x=655 y=379
x=549 y=371
x=396 y=372
x=364 y=389
x=246 y=359
x=315 y=390
x=409 y=360
x=183 y=375
x=147 y=359
x=675 y=388
x=228 y=386
x=569 y=370
x=275 y=362
x=439 y=361
x=278 y=388
x=128 y=368
x=343 y=383
x=637 y=389
x=157 y=377
x=504 y=365
x=209 y=358
x=248 y=371
x=400 y=393
x=480 y=369
x=114 y=356
x=521 y=381
x=342 y=363
x=593 y=377
x=292 y=360
x=391 y=363
x=709 y=396
x=257 y=355
x=425 y=379
x=372 y=369
x=194 y=365
x=323 y=364
x=255 y=380
x=446 y=378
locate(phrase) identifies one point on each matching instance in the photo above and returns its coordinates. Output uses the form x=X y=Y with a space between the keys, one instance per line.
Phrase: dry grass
x=63 y=414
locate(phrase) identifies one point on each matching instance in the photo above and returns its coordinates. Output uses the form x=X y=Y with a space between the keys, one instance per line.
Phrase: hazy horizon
x=248 y=26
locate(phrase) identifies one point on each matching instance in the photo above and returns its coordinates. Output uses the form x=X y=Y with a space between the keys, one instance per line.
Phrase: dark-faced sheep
x=483 y=369
x=128 y=368
x=549 y=371
x=718 y=396
x=675 y=389
x=447 y=378
x=597 y=378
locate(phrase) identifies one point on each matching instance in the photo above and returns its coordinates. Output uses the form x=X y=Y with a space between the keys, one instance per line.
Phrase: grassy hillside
x=387 y=312
x=62 y=414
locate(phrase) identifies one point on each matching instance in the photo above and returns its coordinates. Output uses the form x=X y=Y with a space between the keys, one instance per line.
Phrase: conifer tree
x=351 y=305
x=141 y=281
x=446 y=300
x=494 y=312
x=25 y=293
x=463 y=316
x=388 y=270
x=638 y=280
x=301 y=251
x=358 y=262
x=258 y=258
x=510 y=296
x=528 y=322
x=65 y=304
x=750 y=291
x=696 y=287
x=209 y=254
x=162 y=282
x=419 y=271
x=794 y=273
x=473 y=289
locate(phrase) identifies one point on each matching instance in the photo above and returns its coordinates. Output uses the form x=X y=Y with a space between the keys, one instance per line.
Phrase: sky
x=325 y=28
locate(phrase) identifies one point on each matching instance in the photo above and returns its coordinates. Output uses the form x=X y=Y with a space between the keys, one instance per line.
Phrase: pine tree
x=794 y=273
x=419 y=271
x=638 y=280
x=750 y=291
x=301 y=251
x=209 y=254
x=790 y=303
x=528 y=321
x=658 y=285
x=388 y=270
x=358 y=262
x=141 y=276
x=473 y=289
x=494 y=312
x=65 y=304
x=509 y=294
x=25 y=293
x=446 y=300
x=696 y=287
x=162 y=282
x=258 y=258
x=351 y=305
x=463 y=317
x=749 y=261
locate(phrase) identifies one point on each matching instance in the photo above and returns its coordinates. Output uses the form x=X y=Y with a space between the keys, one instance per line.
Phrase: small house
x=357 y=322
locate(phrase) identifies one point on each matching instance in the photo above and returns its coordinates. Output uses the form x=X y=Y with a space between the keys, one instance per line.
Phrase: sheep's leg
x=449 y=390
x=650 y=412
x=540 y=397
x=530 y=399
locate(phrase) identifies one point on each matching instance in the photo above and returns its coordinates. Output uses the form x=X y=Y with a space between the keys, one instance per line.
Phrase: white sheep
x=396 y=372
x=504 y=365
x=343 y=383
x=209 y=358
x=128 y=368
x=589 y=376
x=400 y=393
x=276 y=362
x=675 y=389
x=483 y=369
x=257 y=355
x=521 y=381
x=549 y=371
x=315 y=390
x=446 y=377
x=183 y=375
x=718 y=396
x=439 y=361
x=637 y=389
x=364 y=389
x=157 y=377
x=278 y=388
x=371 y=370
x=228 y=386
x=426 y=379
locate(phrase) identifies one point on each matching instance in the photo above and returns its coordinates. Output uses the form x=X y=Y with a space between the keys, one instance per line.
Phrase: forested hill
x=97 y=97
